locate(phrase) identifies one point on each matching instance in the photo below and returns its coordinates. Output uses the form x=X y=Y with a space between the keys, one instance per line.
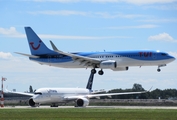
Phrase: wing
x=99 y=95
x=82 y=59
x=112 y=94
x=21 y=93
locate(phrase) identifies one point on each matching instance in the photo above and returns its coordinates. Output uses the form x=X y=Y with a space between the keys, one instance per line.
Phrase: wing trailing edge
x=100 y=95
x=76 y=57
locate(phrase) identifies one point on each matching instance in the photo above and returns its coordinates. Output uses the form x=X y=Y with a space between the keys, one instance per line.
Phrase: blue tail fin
x=36 y=45
x=90 y=81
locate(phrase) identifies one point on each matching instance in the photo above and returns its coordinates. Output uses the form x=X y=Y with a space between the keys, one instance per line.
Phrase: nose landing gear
x=158 y=69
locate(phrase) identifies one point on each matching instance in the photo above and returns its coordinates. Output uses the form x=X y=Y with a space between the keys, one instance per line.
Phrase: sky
x=87 y=25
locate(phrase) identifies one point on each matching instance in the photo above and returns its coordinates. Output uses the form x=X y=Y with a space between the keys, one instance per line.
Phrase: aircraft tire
x=101 y=72
x=93 y=71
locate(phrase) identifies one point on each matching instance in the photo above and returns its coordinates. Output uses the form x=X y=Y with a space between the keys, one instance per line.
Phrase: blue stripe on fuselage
x=146 y=55
x=57 y=58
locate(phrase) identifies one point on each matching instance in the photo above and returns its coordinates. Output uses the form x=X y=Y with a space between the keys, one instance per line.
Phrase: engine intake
x=32 y=103
x=82 y=102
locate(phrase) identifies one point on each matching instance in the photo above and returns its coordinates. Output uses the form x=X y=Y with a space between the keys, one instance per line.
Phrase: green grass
x=87 y=113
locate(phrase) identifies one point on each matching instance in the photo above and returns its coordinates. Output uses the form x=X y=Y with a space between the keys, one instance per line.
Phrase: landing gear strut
x=158 y=69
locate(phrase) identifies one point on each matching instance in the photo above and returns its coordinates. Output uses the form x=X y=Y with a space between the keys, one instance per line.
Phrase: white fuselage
x=121 y=59
x=57 y=95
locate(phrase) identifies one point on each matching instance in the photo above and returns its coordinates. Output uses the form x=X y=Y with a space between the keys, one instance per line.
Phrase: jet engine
x=82 y=102
x=32 y=103
x=109 y=64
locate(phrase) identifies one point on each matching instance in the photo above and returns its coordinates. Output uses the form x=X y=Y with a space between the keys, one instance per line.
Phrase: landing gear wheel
x=53 y=105
x=100 y=72
x=158 y=70
x=93 y=71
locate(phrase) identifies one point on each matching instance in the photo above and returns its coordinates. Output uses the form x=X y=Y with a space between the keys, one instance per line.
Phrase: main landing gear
x=54 y=105
x=100 y=72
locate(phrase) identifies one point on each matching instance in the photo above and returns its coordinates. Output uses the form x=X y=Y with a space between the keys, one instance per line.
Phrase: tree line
x=154 y=94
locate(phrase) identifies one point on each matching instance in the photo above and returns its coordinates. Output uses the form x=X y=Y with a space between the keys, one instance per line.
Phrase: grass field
x=89 y=114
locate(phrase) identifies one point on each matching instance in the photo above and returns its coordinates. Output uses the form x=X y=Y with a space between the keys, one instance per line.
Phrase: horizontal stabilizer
x=32 y=56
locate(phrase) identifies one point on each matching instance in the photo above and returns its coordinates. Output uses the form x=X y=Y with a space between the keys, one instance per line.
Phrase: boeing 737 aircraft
x=116 y=61
x=54 y=96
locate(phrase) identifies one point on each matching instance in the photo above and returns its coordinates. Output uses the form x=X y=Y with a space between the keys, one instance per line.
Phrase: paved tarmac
x=99 y=107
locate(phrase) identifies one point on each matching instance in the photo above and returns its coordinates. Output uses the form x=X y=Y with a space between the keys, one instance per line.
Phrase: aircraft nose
x=172 y=58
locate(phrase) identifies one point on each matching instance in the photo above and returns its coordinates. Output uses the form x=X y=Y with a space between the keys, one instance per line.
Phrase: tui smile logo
x=35 y=48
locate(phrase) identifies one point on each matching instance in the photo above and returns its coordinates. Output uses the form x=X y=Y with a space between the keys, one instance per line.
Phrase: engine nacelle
x=32 y=103
x=120 y=69
x=109 y=64
x=82 y=102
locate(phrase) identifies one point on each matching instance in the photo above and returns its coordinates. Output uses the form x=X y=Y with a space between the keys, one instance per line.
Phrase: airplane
x=80 y=96
x=116 y=60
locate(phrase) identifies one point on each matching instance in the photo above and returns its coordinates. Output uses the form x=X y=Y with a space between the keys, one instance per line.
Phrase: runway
x=96 y=107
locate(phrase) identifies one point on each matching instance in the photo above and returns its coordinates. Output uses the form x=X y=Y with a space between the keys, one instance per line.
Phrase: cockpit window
x=164 y=54
x=38 y=93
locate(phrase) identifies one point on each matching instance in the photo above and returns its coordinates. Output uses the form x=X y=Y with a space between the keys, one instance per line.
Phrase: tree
x=30 y=89
x=137 y=87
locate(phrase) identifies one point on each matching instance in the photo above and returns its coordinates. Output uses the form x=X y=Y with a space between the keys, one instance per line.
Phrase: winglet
x=53 y=46
x=150 y=89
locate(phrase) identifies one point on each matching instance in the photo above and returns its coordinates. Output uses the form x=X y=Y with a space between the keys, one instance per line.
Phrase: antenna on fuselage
x=90 y=81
